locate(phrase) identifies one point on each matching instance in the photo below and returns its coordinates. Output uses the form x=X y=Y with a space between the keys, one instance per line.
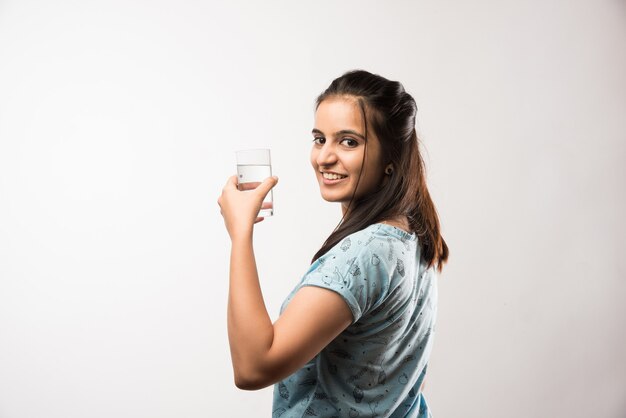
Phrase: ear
x=389 y=169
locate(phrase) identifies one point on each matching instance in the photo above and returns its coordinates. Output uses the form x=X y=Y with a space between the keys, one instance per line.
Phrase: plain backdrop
x=118 y=126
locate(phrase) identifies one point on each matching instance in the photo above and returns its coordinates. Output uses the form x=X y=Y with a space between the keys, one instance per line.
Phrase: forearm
x=250 y=330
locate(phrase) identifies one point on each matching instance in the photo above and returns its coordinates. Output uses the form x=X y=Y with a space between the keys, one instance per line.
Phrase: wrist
x=242 y=235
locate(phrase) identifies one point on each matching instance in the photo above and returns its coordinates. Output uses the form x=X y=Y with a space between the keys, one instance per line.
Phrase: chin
x=327 y=197
x=331 y=197
x=334 y=194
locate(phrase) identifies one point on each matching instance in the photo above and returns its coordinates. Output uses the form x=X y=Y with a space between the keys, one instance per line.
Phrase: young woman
x=354 y=337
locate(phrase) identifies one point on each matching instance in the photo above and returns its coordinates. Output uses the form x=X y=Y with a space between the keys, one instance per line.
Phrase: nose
x=326 y=156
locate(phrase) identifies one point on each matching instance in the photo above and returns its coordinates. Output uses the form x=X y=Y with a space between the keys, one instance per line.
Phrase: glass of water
x=254 y=166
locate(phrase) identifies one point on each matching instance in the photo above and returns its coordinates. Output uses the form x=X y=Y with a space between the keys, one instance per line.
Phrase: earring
x=388 y=170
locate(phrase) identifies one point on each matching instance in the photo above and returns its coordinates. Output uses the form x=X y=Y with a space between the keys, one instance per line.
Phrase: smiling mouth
x=332 y=176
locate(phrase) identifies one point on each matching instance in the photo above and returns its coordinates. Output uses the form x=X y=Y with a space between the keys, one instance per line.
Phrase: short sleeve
x=355 y=272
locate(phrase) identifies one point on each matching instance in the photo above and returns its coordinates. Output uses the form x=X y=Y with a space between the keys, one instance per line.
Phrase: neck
x=399 y=221
x=344 y=209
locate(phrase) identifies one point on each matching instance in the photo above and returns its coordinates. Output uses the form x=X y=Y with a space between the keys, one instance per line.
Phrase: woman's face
x=338 y=148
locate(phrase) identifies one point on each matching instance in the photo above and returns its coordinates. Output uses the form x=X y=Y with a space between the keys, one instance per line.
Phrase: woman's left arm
x=262 y=352
x=250 y=330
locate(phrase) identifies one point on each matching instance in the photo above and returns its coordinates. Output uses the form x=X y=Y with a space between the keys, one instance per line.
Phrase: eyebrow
x=339 y=133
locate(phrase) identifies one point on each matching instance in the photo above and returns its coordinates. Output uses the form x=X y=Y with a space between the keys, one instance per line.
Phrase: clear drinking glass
x=254 y=166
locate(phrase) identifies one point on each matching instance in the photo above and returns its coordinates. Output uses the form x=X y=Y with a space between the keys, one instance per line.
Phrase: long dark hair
x=389 y=111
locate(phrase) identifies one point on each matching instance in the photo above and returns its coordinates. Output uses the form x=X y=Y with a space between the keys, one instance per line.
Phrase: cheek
x=355 y=162
x=373 y=173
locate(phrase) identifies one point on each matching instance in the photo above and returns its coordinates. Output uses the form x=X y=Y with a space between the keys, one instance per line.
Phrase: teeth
x=330 y=176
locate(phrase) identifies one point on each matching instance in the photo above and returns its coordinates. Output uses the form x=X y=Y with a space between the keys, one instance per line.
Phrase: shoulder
x=357 y=244
x=355 y=269
x=359 y=240
x=374 y=237
x=376 y=246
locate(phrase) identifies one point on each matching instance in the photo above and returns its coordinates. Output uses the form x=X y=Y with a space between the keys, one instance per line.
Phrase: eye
x=319 y=140
x=350 y=142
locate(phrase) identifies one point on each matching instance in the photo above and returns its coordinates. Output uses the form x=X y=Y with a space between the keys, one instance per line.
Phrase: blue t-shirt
x=376 y=366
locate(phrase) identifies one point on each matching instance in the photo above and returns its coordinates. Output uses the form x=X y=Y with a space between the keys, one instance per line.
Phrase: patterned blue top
x=376 y=366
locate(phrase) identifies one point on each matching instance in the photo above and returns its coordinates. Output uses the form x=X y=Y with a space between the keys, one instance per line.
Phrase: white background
x=118 y=122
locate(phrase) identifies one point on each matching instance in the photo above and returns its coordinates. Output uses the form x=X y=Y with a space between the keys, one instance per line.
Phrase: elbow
x=247 y=384
x=251 y=381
